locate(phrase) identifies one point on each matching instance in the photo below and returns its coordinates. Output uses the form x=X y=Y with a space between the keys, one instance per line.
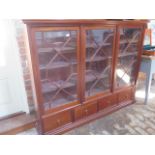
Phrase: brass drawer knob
x=86 y=111
x=126 y=97
x=109 y=102
x=58 y=122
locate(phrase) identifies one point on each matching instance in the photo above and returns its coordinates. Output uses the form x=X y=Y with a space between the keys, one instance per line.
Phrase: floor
x=15 y=124
x=136 y=119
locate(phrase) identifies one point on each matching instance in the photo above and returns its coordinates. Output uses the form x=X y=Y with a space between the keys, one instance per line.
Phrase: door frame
x=83 y=51
x=35 y=64
x=12 y=49
x=139 y=53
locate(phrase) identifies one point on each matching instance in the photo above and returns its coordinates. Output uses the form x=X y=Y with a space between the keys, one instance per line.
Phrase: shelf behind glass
x=57 y=55
x=59 y=102
x=62 y=64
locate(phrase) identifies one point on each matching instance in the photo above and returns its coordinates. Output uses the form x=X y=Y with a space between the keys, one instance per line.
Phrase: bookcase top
x=83 y=21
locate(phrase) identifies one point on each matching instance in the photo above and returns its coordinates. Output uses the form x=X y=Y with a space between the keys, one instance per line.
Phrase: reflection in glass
x=127 y=57
x=99 y=44
x=57 y=52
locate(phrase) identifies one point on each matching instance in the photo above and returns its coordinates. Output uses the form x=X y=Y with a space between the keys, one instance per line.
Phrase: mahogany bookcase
x=83 y=69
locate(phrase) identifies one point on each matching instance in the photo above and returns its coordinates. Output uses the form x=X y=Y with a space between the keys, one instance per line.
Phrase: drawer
x=85 y=110
x=107 y=101
x=125 y=95
x=57 y=120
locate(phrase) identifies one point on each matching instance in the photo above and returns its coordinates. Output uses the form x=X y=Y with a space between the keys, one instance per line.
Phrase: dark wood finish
x=115 y=58
x=107 y=101
x=84 y=21
x=125 y=96
x=88 y=119
x=85 y=110
x=87 y=42
x=149 y=53
x=57 y=120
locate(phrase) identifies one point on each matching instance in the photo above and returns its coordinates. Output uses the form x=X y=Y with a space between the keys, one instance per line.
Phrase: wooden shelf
x=48 y=87
x=90 y=77
x=97 y=58
x=127 y=54
x=59 y=64
x=94 y=91
x=128 y=41
x=58 y=102
x=95 y=46
x=52 y=49
x=67 y=49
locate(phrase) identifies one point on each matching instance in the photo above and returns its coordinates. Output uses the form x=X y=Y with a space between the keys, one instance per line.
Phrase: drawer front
x=107 y=101
x=85 y=110
x=55 y=121
x=126 y=95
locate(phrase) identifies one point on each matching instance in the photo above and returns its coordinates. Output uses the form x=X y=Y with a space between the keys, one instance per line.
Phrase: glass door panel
x=127 y=56
x=57 y=53
x=99 y=47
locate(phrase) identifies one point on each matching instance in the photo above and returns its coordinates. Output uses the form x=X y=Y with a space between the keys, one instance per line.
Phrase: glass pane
x=127 y=57
x=99 y=44
x=57 y=51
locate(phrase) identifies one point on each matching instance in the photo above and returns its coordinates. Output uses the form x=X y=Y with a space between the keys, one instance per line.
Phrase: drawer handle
x=109 y=102
x=126 y=97
x=58 y=122
x=86 y=111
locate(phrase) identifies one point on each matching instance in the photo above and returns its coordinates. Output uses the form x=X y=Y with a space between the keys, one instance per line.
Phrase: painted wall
x=21 y=36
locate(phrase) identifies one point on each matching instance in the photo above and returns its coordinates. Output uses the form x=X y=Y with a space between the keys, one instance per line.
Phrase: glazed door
x=57 y=52
x=127 y=59
x=98 y=54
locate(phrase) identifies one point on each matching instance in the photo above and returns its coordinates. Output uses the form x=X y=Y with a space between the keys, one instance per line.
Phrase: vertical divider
x=78 y=65
x=36 y=74
x=115 y=57
x=82 y=62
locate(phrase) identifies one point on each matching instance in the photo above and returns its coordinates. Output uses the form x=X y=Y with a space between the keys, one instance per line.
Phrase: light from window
x=2 y=43
x=125 y=77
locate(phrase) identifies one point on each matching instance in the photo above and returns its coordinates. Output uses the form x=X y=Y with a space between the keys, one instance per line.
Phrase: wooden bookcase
x=83 y=69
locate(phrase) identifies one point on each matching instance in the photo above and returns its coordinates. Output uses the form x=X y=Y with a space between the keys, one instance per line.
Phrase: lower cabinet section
x=85 y=110
x=107 y=101
x=125 y=96
x=80 y=113
x=54 y=121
